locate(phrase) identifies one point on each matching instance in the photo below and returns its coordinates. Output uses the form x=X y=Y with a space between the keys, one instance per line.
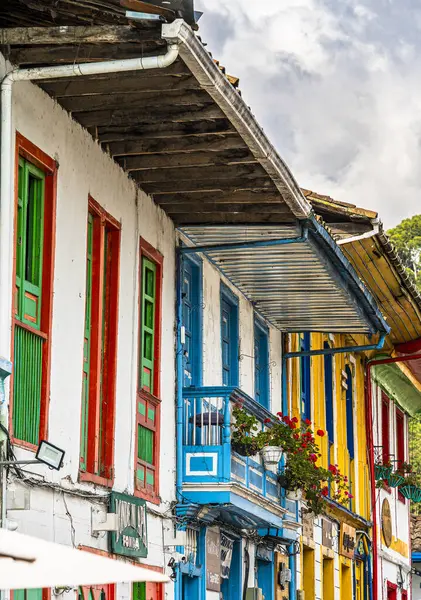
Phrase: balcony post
x=226 y=440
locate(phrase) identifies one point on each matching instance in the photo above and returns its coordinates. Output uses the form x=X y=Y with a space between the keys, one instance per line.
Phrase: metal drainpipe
x=369 y=429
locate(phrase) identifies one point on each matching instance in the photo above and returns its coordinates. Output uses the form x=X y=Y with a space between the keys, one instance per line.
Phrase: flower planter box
x=382 y=471
x=411 y=492
x=394 y=480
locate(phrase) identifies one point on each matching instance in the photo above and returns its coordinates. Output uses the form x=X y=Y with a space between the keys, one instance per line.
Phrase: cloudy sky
x=336 y=84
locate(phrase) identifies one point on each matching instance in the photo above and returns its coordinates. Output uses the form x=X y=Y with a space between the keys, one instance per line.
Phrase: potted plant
x=244 y=432
x=410 y=489
x=397 y=478
x=383 y=469
x=301 y=476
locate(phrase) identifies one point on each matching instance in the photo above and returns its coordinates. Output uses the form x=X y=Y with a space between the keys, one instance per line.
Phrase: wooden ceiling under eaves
x=161 y=126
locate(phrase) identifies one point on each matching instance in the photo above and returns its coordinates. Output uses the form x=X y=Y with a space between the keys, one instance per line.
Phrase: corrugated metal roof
x=291 y=285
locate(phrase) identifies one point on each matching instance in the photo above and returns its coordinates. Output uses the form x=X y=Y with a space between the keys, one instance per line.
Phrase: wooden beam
x=211 y=173
x=265 y=196
x=68 y=54
x=105 y=34
x=186 y=159
x=164 y=130
x=178 y=187
x=138 y=81
x=135 y=100
x=211 y=142
x=134 y=116
x=197 y=218
x=212 y=207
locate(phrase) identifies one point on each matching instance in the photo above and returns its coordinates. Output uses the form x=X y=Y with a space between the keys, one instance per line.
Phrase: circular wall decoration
x=386 y=522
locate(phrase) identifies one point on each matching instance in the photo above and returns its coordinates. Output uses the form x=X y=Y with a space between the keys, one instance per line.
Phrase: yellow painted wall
x=308 y=573
x=346 y=581
x=361 y=491
x=328 y=582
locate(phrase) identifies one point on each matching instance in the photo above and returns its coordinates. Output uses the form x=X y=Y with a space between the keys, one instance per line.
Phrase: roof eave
x=207 y=73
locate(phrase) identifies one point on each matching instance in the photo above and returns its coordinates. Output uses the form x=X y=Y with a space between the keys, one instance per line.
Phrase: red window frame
x=106 y=403
x=33 y=154
x=400 y=444
x=151 y=493
x=385 y=404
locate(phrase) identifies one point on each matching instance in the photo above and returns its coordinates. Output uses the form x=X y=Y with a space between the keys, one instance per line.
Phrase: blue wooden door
x=227 y=341
x=191 y=322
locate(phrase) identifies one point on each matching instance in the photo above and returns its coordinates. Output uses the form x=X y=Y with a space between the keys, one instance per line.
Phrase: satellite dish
x=169 y=9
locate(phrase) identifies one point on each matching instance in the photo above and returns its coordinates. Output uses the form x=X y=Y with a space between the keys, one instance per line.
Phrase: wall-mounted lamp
x=47 y=453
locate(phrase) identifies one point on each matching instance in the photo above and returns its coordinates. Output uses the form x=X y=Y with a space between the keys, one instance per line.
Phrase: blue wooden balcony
x=239 y=488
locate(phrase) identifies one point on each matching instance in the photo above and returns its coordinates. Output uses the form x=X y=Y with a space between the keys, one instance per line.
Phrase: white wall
x=85 y=170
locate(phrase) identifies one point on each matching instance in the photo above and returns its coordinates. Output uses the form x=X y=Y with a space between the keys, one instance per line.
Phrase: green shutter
x=29 y=243
x=86 y=348
x=145 y=443
x=139 y=591
x=27 y=385
x=35 y=594
x=148 y=325
x=28 y=346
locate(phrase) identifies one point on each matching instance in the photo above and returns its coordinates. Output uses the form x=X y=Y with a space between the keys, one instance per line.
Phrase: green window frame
x=148 y=325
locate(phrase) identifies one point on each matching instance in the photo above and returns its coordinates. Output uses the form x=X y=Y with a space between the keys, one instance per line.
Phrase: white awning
x=28 y=562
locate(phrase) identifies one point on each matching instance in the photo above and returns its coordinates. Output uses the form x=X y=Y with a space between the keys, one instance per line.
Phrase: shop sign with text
x=213 y=560
x=131 y=537
x=347 y=541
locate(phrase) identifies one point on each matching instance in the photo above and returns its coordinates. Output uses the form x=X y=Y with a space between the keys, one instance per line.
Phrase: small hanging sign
x=131 y=538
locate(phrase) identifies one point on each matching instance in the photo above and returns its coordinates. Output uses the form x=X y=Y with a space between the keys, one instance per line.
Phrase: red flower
x=325 y=491
x=307 y=422
x=313 y=458
x=320 y=432
x=266 y=421
x=280 y=414
x=349 y=495
x=292 y=425
x=296 y=436
x=333 y=469
x=294 y=420
x=304 y=445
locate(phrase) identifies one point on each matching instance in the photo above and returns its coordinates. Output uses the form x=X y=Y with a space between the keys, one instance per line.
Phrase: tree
x=406 y=237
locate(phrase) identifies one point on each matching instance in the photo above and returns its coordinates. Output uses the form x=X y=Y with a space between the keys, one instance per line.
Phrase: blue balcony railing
x=207 y=453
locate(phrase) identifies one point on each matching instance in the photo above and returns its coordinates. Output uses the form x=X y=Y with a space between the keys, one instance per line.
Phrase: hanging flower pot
x=271 y=456
x=395 y=479
x=382 y=471
x=411 y=492
x=295 y=495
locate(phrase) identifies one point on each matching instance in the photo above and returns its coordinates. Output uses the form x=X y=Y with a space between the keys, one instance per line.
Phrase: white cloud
x=337 y=86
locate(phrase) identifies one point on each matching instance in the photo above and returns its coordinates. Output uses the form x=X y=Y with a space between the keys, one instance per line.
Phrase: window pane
x=33 y=250
x=145 y=444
